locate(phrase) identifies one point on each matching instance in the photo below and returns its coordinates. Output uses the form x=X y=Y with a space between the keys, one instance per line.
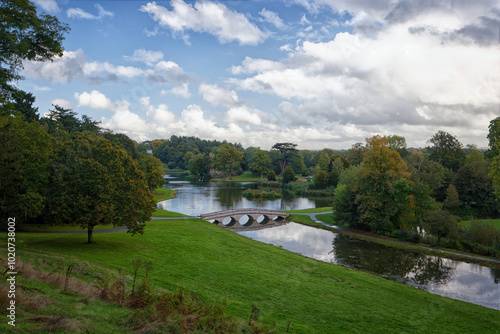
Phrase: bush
x=288 y=175
x=271 y=175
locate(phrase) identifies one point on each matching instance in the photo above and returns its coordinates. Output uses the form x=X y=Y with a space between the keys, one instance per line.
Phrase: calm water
x=195 y=198
x=455 y=279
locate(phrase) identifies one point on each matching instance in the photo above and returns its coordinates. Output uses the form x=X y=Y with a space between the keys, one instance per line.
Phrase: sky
x=318 y=73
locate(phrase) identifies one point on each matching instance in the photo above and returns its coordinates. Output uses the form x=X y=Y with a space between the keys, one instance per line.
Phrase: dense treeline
x=380 y=186
x=60 y=169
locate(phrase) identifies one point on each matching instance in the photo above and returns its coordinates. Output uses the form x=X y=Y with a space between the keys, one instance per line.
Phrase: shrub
x=271 y=175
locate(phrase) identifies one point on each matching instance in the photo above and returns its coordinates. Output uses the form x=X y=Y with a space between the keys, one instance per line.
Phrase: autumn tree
x=25 y=153
x=25 y=35
x=285 y=149
x=260 y=162
x=379 y=202
x=94 y=182
x=228 y=159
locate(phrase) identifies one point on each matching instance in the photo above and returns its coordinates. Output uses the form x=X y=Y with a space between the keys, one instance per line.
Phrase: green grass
x=59 y=228
x=315 y=297
x=165 y=213
x=466 y=223
x=312 y=210
x=245 y=177
x=327 y=218
x=161 y=194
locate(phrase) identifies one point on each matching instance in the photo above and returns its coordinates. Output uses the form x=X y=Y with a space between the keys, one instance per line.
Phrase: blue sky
x=318 y=73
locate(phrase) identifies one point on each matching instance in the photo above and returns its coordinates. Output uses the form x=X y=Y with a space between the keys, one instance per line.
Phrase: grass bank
x=308 y=295
x=161 y=194
x=245 y=177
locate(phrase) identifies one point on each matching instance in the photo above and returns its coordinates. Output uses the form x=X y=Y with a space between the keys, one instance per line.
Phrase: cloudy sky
x=319 y=73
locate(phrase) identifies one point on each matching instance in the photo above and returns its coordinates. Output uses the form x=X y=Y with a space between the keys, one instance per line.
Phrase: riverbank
x=307 y=295
x=305 y=217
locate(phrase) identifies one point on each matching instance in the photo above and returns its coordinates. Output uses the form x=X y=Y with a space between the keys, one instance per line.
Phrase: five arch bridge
x=245 y=217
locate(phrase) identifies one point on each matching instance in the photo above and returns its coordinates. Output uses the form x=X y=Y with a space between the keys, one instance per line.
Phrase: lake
x=455 y=279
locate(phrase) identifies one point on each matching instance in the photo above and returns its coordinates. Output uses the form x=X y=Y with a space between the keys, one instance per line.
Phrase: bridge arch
x=244 y=217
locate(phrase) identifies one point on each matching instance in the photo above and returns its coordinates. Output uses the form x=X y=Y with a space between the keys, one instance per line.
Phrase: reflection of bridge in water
x=246 y=218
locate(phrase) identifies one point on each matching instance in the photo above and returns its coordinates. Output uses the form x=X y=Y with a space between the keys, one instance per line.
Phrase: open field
x=315 y=297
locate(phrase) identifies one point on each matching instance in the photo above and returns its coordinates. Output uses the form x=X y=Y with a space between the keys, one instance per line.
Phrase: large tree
x=94 y=182
x=25 y=35
x=447 y=150
x=383 y=188
x=228 y=159
x=261 y=162
x=285 y=150
x=25 y=153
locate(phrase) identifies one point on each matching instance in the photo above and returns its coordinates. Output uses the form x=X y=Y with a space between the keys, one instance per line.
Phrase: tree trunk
x=90 y=235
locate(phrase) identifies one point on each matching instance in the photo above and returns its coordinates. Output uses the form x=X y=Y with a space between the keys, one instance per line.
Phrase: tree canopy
x=25 y=35
x=94 y=182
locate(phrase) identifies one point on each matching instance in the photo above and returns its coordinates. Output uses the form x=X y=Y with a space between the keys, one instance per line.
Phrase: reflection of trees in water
x=430 y=269
x=229 y=194
x=495 y=272
x=391 y=262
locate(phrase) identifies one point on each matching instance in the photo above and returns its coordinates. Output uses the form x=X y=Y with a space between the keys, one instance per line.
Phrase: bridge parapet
x=244 y=217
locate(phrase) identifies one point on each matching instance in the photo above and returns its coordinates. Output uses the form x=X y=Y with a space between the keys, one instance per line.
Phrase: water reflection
x=195 y=198
x=455 y=279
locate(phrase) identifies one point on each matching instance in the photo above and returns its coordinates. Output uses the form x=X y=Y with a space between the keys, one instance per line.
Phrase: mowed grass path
x=315 y=297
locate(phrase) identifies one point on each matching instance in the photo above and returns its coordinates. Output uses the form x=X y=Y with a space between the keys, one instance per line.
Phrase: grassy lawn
x=165 y=213
x=59 y=228
x=496 y=223
x=161 y=194
x=313 y=210
x=245 y=177
x=315 y=297
x=327 y=218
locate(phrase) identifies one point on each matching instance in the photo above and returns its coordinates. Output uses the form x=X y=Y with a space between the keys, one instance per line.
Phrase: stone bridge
x=245 y=217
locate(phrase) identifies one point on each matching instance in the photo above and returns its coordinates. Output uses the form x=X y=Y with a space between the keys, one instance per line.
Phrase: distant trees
x=447 y=151
x=285 y=149
x=228 y=159
x=260 y=162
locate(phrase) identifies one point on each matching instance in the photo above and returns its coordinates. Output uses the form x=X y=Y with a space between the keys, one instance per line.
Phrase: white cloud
x=50 y=6
x=95 y=100
x=242 y=115
x=382 y=83
x=62 y=103
x=218 y=96
x=182 y=91
x=208 y=17
x=147 y=56
x=41 y=88
x=62 y=70
x=273 y=18
x=81 y=14
x=125 y=121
